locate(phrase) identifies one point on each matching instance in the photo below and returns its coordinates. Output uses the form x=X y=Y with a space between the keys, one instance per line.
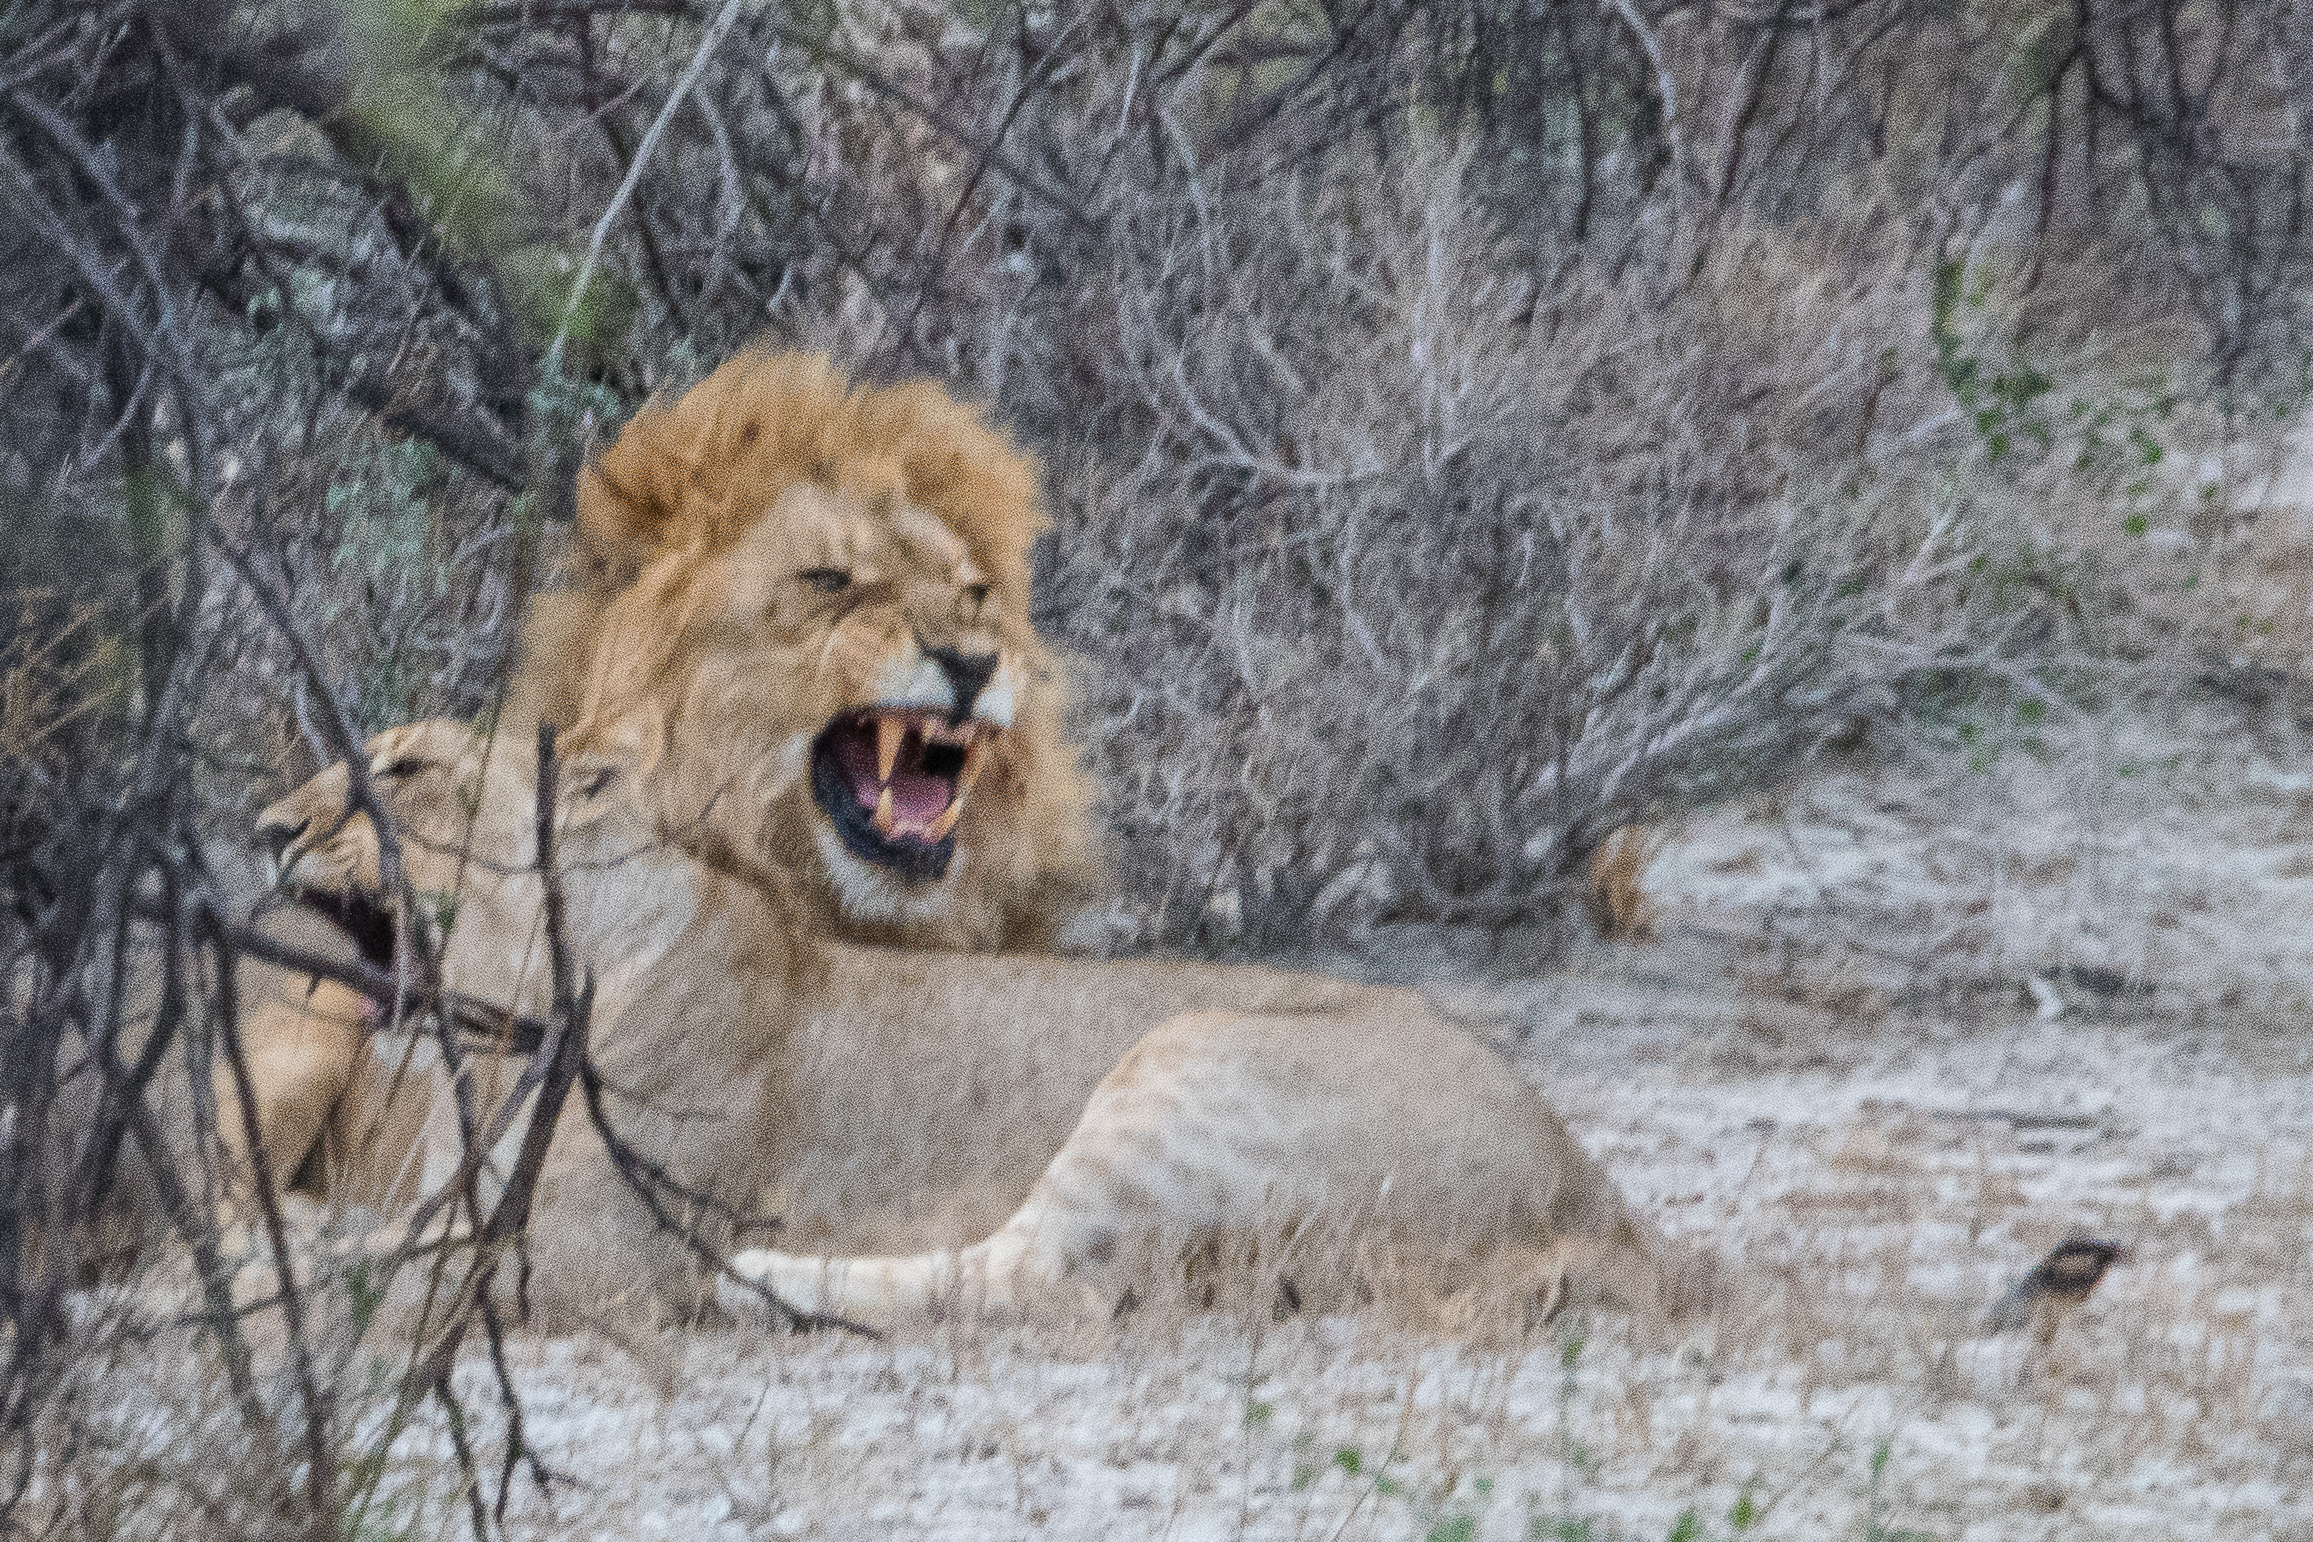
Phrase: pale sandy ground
x=1831 y=1065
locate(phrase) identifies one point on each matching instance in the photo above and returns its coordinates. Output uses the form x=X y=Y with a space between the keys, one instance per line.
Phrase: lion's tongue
x=917 y=798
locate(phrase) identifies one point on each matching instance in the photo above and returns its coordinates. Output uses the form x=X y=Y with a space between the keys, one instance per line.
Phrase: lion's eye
x=976 y=593
x=826 y=580
x=386 y=770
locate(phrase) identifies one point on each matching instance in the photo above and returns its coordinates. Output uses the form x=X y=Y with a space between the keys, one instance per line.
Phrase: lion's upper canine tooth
x=970 y=772
x=884 y=817
x=938 y=829
x=890 y=733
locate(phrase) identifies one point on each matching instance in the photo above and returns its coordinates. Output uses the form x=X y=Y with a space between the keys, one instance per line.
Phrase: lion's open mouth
x=369 y=924
x=893 y=783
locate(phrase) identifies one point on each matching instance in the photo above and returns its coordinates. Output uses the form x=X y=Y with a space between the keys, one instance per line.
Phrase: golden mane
x=697 y=471
x=754 y=479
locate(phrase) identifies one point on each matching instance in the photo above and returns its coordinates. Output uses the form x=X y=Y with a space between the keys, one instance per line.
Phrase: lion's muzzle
x=298 y=863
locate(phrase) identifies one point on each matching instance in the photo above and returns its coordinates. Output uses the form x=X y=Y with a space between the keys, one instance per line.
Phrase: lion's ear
x=622 y=520
x=642 y=494
x=696 y=469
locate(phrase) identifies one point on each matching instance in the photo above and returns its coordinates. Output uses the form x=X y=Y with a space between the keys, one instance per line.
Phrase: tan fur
x=692 y=528
x=1367 y=1150
x=325 y=1096
x=903 y=1100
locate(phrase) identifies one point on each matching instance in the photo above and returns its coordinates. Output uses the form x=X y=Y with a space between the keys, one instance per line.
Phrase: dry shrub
x=58 y=670
x=1476 y=428
x=176 y=1357
x=1425 y=575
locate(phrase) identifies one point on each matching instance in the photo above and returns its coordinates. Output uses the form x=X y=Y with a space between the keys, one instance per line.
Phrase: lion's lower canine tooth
x=889 y=733
x=883 y=813
x=938 y=829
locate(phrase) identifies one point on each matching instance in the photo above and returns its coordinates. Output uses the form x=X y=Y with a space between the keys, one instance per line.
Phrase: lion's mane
x=660 y=514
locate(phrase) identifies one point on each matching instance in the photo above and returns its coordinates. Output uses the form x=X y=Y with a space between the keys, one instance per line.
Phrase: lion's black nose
x=968 y=675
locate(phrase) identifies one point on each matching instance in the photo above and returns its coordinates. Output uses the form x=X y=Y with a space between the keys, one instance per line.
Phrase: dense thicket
x=1472 y=426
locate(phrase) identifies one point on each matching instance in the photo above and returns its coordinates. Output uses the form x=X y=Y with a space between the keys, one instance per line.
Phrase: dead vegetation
x=1475 y=429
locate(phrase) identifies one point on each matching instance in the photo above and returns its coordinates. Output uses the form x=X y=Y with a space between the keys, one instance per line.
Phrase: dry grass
x=144 y=1437
x=1473 y=432
x=1844 y=1386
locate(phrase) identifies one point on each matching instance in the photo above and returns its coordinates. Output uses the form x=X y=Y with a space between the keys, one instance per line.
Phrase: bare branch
x=708 y=44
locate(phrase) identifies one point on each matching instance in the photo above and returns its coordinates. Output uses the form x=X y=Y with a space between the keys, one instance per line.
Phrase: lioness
x=824 y=591
x=751 y=1055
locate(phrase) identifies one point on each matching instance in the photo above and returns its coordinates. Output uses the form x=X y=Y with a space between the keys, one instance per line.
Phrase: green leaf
x=365 y=1295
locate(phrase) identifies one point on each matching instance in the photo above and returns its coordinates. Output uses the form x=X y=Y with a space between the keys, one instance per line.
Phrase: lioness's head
x=819 y=596
x=464 y=812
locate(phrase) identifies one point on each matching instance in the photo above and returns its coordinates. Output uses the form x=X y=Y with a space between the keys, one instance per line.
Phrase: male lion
x=823 y=591
x=751 y=1056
